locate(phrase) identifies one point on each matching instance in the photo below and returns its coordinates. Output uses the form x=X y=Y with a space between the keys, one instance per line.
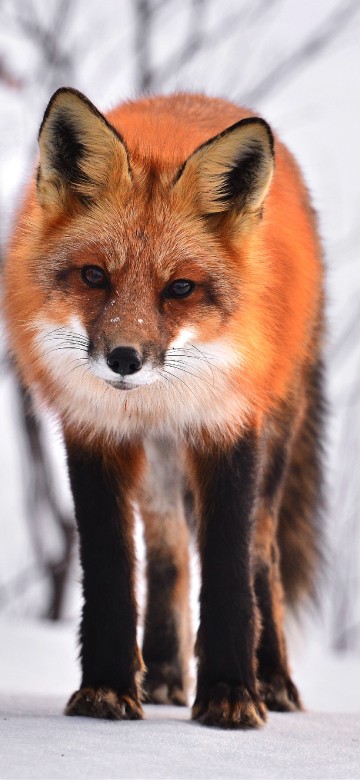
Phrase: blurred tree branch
x=333 y=26
x=55 y=63
x=41 y=494
x=198 y=39
x=143 y=29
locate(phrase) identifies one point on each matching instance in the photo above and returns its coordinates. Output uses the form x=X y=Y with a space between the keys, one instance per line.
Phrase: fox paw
x=99 y=702
x=281 y=695
x=229 y=707
x=163 y=685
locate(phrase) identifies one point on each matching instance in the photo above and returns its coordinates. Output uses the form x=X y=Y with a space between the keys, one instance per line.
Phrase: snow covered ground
x=38 y=670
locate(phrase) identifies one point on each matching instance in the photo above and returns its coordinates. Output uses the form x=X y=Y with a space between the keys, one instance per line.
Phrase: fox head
x=137 y=269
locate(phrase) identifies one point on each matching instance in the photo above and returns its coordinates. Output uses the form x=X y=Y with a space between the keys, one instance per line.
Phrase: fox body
x=163 y=294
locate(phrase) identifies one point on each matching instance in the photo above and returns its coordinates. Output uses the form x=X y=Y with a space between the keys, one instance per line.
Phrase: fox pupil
x=93 y=276
x=181 y=288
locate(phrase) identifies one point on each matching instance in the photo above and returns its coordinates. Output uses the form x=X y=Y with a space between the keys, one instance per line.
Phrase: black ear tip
x=60 y=92
x=259 y=121
x=249 y=121
x=270 y=135
x=48 y=109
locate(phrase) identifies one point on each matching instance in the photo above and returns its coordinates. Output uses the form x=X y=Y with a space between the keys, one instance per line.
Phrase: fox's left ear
x=232 y=171
x=79 y=152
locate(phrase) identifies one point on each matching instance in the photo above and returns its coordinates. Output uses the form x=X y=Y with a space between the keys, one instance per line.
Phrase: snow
x=38 y=671
x=35 y=741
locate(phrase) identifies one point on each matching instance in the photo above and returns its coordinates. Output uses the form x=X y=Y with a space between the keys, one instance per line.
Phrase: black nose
x=124 y=360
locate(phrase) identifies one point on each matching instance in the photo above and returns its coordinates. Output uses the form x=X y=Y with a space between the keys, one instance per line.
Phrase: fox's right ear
x=79 y=152
x=231 y=173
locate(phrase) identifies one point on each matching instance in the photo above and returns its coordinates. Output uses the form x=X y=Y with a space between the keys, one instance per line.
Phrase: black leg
x=167 y=634
x=109 y=655
x=278 y=690
x=227 y=692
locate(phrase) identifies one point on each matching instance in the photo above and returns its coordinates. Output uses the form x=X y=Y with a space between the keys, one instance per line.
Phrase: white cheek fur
x=185 y=336
x=187 y=345
x=194 y=391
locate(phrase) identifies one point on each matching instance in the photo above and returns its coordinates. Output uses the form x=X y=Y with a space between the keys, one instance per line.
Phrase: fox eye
x=180 y=288
x=93 y=276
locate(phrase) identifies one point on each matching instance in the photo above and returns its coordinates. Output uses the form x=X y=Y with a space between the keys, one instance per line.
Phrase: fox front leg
x=167 y=624
x=111 y=661
x=227 y=690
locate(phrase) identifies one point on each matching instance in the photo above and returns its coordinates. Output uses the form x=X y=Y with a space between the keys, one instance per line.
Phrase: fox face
x=138 y=281
x=139 y=303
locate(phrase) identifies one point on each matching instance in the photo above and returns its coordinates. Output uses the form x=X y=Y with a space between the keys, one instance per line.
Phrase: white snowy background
x=298 y=64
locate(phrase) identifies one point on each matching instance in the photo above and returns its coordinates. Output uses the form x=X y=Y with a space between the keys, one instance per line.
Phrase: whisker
x=166 y=379
x=180 y=367
x=50 y=334
x=63 y=335
x=186 y=354
x=82 y=359
x=178 y=379
x=67 y=348
x=204 y=358
x=70 y=342
x=188 y=350
x=96 y=404
x=81 y=365
x=189 y=356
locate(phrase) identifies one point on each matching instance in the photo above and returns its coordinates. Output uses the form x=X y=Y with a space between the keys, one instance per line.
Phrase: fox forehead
x=131 y=236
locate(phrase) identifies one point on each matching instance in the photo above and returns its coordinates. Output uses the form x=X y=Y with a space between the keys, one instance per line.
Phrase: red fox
x=164 y=295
